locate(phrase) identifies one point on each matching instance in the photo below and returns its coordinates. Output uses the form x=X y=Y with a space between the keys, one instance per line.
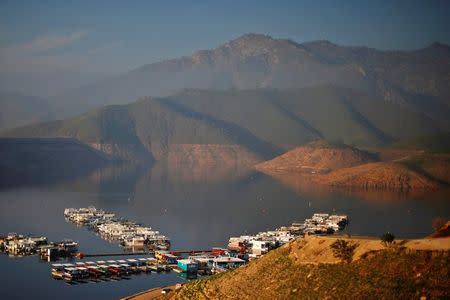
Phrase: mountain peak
x=251 y=40
x=251 y=37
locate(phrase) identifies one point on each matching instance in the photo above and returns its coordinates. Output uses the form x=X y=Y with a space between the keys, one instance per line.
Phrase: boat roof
x=57 y=265
x=111 y=261
x=90 y=263
x=228 y=259
x=201 y=259
x=101 y=262
x=186 y=261
x=132 y=260
x=122 y=261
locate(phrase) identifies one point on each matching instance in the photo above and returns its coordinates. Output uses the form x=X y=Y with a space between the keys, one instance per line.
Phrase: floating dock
x=129 y=234
x=117 y=254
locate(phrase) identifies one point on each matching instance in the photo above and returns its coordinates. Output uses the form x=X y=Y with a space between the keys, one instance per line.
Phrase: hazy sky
x=85 y=40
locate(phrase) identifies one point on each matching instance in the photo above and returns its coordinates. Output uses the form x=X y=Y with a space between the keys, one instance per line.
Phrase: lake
x=198 y=208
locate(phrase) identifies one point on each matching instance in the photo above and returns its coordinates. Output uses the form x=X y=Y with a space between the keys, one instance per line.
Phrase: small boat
x=115 y=270
x=58 y=273
x=83 y=272
x=156 y=268
x=71 y=274
x=104 y=269
x=94 y=271
x=125 y=269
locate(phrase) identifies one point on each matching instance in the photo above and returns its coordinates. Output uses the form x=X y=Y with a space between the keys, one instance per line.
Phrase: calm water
x=196 y=207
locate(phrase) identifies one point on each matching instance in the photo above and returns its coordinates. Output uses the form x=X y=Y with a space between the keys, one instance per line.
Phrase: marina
x=158 y=257
x=21 y=245
x=188 y=263
x=262 y=242
x=128 y=234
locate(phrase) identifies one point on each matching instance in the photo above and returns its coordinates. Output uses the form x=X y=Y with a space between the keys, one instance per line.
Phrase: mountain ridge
x=416 y=78
x=263 y=121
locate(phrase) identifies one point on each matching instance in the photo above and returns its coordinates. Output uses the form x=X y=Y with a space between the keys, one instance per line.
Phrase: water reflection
x=305 y=185
x=198 y=206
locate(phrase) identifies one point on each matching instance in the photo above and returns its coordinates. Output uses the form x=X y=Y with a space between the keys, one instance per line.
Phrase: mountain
x=18 y=110
x=146 y=130
x=364 y=82
x=417 y=79
x=254 y=125
x=338 y=165
x=431 y=165
x=438 y=143
x=317 y=157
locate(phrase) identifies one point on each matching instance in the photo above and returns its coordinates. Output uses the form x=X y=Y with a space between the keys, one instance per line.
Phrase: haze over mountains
x=17 y=109
x=418 y=78
x=263 y=122
x=253 y=97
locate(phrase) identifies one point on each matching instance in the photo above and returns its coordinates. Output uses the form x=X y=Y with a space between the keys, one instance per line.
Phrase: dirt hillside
x=307 y=269
x=317 y=157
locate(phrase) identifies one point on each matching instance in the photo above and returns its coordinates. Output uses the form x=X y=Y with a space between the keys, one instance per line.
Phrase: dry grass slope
x=377 y=273
x=315 y=158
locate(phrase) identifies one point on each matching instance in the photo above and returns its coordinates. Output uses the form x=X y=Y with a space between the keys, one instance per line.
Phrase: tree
x=344 y=250
x=387 y=239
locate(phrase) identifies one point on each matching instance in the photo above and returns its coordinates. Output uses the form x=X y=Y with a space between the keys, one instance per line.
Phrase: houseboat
x=187 y=265
x=128 y=234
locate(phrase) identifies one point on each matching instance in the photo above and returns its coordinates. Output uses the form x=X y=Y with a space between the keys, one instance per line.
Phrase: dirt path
x=153 y=293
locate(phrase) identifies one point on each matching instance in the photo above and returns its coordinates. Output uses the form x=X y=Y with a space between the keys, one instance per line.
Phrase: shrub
x=387 y=239
x=344 y=250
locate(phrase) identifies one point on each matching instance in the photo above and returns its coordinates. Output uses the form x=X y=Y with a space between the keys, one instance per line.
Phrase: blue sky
x=105 y=37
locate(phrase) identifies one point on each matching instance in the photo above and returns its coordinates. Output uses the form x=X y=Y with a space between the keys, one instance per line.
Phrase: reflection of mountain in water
x=202 y=205
x=25 y=162
x=305 y=186
x=117 y=179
